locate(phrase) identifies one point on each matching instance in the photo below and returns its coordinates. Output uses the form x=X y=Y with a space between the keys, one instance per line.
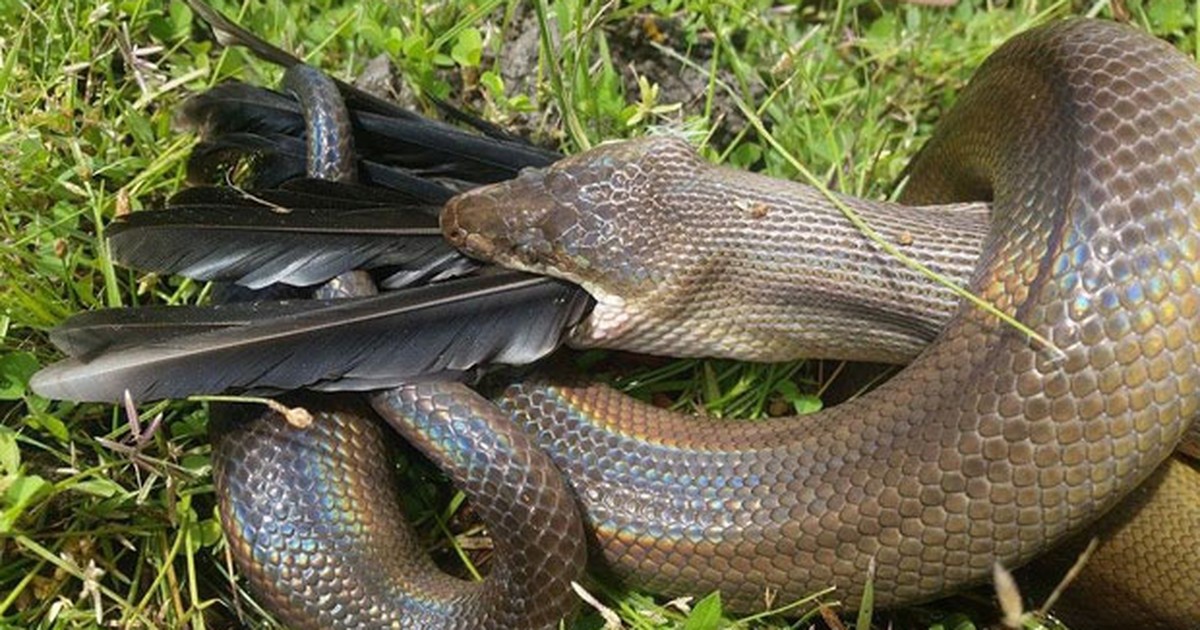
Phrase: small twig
x=1072 y=573
x=611 y=620
x=298 y=417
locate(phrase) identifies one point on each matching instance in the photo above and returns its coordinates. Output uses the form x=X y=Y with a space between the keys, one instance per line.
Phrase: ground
x=105 y=521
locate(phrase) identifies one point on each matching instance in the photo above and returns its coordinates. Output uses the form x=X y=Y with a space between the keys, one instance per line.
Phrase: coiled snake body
x=988 y=448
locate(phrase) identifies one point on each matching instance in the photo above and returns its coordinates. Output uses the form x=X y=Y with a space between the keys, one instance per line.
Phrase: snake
x=1066 y=176
x=985 y=448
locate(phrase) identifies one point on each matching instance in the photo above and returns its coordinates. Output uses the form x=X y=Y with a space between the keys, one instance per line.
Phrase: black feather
x=304 y=232
x=385 y=120
x=432 y=148
x=246 y=238
x=228 y=33
x=235 y=107
x=278 y=159
x=302 y=194
x=274 y=160
x=420 y=145
x=86 y=335
x=347 y=344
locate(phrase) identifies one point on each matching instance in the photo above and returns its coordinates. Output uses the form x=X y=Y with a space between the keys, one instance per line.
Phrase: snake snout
x=512 y=223
x=471 y=221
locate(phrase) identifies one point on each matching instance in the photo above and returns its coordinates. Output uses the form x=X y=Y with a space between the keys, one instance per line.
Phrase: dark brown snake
x=988 y=448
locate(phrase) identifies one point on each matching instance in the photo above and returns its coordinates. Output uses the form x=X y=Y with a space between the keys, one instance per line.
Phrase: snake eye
x=531 y=246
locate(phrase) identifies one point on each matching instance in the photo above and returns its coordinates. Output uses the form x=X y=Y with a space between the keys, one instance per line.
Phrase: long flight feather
x=253 y=243
x=348 y=344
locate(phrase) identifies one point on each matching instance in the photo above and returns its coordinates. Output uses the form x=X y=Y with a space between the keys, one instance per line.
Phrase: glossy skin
x=987 y=448
x=327 y=124
x=313 y=515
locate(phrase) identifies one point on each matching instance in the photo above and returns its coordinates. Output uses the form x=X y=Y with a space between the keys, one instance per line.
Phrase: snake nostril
x=449 y=219
x=476 y=245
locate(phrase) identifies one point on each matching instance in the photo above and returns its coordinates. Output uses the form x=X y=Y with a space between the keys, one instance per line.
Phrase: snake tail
x=327 y=127
x=1145 y=572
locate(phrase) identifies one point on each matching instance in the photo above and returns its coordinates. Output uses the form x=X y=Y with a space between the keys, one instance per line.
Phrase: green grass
x=101 y=526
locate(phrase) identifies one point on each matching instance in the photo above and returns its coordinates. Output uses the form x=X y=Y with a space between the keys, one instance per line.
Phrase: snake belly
x=989 y=447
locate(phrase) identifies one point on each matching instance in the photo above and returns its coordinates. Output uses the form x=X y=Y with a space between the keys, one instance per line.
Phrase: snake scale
x=987 y=448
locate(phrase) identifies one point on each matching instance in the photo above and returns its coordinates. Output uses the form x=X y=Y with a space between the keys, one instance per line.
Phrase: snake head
x=597 y=218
